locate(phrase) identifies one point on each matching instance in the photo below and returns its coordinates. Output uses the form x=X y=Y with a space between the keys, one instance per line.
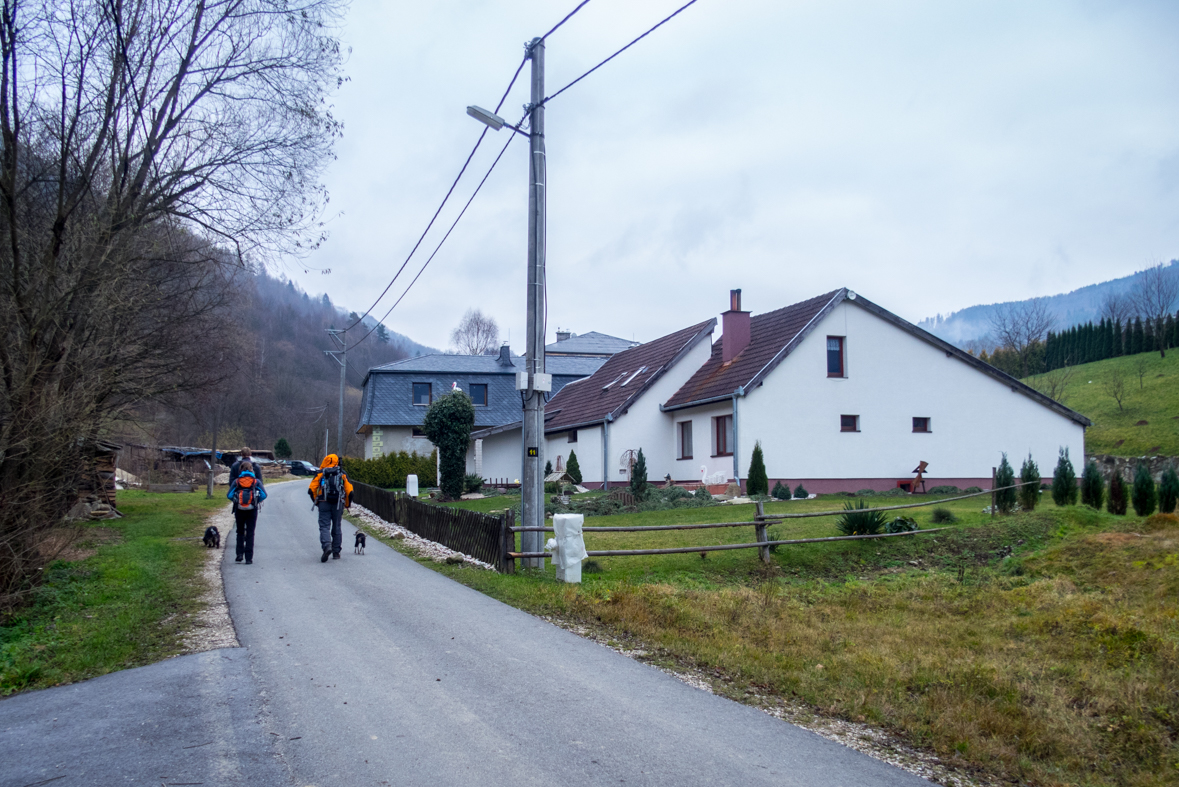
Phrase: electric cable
x=437 y=248
x=445 y=199
x=667 y=19
x=568 y=16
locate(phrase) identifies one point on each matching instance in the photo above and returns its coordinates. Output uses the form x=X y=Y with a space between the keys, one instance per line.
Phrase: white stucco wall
x=501 y=457
x=588 y=448
x=392 y=439
x=702 y=463
x=892 y=377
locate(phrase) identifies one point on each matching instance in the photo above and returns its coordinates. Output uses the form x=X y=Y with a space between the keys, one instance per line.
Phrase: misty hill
x=1072 y=308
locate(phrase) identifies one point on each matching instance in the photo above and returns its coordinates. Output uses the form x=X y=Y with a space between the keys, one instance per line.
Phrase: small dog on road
x=361 y=540
x=212 y=537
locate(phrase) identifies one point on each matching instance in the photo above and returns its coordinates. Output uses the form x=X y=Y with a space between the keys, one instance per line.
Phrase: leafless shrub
x=1021 y=327
x=1114 y=385
x=1054 y=384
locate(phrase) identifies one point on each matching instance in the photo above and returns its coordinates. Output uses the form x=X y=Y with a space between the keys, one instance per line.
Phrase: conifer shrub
x=757 y=482
x=1169 y=491
x=1005 y=477
x=447 y=425
x=1029 y=476
x=970 y=490
x=1144 y=495
x=865 y=492
x=1116 y=502
x=638 y=477
x=472 y=483
x=702 y=493
x=780 y=492
x=548 y=469
x=945 y=490
x=800 y=493
x=282 y=449
x=1092 y=486
x=573 y=469
x=389 y=471
x=859 y=520
x=1064 y=481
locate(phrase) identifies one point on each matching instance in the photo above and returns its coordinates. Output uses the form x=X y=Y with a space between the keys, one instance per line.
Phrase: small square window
x=835 y=356
x=573 y=436
x=478 y=394
x=921 y=425
x=421 y=394
x=417 y=432
x=849 y=423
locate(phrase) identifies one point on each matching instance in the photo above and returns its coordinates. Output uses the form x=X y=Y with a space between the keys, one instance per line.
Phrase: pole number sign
x=533 y=452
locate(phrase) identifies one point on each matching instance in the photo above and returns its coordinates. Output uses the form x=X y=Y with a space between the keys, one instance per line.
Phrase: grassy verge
x=125 y=606
x=1042 y=648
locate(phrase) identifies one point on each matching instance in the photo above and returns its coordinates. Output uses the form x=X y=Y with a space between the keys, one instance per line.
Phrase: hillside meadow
x=1151 y=395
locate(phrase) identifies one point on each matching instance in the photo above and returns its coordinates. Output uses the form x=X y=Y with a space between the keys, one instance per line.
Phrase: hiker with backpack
x=247 y=494
x=246 y=458
x=331 y=493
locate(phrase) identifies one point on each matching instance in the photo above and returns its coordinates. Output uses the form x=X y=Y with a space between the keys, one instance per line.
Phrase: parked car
x=299 y=467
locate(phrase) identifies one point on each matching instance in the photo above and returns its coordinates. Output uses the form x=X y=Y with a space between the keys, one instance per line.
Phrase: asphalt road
x=372 y=670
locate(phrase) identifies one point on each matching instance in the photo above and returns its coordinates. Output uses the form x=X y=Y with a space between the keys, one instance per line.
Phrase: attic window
x=606 y=387
x=641 y=369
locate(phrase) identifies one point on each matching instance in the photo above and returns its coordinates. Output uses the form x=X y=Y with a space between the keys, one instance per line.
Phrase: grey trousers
x=330 y=534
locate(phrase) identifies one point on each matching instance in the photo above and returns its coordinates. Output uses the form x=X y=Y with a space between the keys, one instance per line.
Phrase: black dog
x=212 y=537
x=361 y=540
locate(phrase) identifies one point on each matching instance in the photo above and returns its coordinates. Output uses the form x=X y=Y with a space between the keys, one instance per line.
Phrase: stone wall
x=1127 y=465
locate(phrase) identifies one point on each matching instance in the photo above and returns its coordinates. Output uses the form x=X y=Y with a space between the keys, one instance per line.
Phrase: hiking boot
x=335 y=556
x=249 y=562
x=326 y=551
x=237 y=559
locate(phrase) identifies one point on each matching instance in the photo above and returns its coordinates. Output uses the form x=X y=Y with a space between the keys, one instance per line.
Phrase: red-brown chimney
x=735 y=325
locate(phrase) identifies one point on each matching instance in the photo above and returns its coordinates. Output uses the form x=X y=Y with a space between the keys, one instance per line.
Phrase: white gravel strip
x=423 y=547
x=212 y=627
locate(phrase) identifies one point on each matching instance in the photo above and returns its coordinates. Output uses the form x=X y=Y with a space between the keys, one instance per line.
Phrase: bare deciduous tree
x=1019 y=327
x=1115 y=385
x=1155 y=291
x=134 y=138
x=1054 y=384
x=1117 y=308
x=476 y=334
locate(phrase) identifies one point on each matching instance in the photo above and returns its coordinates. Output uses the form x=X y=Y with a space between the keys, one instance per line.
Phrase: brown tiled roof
x=616 y=385
x=769 y=335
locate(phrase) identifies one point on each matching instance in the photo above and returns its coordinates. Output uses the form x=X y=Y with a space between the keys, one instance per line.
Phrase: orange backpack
x=246 y=497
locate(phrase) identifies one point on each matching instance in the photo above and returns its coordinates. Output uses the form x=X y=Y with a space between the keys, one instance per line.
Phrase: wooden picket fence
x=482 y=536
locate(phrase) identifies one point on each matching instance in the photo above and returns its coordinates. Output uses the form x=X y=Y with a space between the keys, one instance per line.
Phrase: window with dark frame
x=478 y=394
x=573 y=435
x=685 y=440
x=417 y=432
x=921 y=425
x=835 y=356
x=849 y=423
x=421 y=394
x=723 y=424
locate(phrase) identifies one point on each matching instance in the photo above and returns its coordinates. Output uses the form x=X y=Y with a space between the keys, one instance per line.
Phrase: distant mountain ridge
x=1071 y=308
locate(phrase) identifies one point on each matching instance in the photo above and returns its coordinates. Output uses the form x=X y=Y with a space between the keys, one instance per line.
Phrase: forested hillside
x=279 y=381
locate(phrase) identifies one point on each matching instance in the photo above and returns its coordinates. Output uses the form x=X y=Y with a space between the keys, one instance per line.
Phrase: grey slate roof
x=592 y=343
x=388 y=390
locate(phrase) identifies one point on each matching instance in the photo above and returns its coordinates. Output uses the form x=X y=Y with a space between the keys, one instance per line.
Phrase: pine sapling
x=1029 y=476
x=1004 y=479
x=1144 y=495
x=1169 y=491
x=638 y=477
x=1116 y=503
x=572 y=469
x=1092 y=486
x=1064 y=481
x=757 y=483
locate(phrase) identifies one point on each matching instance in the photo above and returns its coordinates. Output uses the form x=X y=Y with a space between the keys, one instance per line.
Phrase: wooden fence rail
x=482 y=536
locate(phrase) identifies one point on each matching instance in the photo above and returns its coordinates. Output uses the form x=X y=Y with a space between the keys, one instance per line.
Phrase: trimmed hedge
x=390 y=470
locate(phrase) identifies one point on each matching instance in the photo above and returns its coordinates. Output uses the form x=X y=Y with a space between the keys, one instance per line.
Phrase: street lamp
x=533 y=383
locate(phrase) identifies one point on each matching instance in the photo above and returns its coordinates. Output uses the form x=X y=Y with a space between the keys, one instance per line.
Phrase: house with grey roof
x=586 y=345
x=395 y=396
x=841 y=393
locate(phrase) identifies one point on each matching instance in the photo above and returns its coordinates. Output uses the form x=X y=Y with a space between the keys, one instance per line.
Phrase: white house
x=841 y=393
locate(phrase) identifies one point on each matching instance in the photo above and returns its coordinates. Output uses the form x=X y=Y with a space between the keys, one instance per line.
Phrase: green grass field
x=1041 y=648
x=1152 y=397
x=125 y=606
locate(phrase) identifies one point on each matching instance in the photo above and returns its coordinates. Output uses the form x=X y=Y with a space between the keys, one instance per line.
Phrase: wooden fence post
x=508 y=541
x=994 y=474
x=759 y=531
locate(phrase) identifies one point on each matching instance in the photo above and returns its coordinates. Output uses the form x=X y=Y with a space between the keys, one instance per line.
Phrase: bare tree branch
x=476 y=334
x=1019 y=327
x=1154 y=295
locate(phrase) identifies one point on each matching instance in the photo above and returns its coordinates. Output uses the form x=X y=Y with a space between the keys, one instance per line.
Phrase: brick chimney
x=735 y=327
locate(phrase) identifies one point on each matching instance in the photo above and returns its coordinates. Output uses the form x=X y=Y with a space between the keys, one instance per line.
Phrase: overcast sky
x=928 y=155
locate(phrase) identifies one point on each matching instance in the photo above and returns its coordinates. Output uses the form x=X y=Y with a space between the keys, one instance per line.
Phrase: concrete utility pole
x=533 y=382
x=341 y=357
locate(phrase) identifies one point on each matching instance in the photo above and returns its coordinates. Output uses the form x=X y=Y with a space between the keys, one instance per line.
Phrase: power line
x=455 y=223
x=568 y=16
x=667 y=19
x=445 y=199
